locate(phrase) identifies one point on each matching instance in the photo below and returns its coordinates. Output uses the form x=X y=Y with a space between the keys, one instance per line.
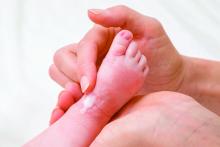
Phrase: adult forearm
x=202 y=81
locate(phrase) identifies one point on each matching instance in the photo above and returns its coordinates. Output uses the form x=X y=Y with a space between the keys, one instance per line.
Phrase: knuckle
x=155 y=21
x=122 y=7
x=51 y=71
x=57 y=55
x=155 y=24
x=60 y=53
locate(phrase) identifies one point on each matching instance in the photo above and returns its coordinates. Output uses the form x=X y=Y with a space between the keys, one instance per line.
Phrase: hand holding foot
x=79 y=62
x=168 y=69
x=119 y=78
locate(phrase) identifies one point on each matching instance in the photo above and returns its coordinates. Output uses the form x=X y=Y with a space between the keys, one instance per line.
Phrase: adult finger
x=66 y=99
x=69 y=96
x=59 y=76
x=87 y=53
x=66 y=62
x=125 y=18
x=56 y=115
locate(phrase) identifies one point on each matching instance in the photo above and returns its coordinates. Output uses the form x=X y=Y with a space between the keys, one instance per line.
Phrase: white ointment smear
x=88 y=102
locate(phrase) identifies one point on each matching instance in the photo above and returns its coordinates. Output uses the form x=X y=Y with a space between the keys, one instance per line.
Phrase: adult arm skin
x=202 y=81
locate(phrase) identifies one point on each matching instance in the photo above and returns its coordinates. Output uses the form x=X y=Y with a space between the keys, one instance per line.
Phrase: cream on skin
x=86 y=118
x=88 y=102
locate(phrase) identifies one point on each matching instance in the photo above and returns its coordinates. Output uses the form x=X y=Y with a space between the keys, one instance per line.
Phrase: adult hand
x=79 y=62
x=162 y=119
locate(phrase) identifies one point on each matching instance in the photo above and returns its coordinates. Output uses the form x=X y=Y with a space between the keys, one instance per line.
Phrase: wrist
x=190 y=77
x=201 y=78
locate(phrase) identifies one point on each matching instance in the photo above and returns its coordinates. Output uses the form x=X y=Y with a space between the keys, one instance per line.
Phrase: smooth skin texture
x=168 y=69
x=119 y=78
x=162 y=119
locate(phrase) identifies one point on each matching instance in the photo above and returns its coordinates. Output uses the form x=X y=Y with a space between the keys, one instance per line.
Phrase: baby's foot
x=120 y=76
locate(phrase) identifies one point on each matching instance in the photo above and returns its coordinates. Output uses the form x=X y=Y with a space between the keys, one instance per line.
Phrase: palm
x=155 y=121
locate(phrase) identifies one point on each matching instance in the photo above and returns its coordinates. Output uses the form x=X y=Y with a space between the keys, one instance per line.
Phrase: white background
x=32 y=30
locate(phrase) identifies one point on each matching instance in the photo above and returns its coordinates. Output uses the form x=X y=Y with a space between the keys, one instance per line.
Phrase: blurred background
x=32 y=30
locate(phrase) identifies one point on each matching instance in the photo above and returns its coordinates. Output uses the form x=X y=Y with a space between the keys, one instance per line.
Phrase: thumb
x=118 y=16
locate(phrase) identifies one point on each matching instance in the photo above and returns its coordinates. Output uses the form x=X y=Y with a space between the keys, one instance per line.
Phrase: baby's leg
x=120 y=76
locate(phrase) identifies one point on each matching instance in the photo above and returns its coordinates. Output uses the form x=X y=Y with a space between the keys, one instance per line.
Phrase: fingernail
x=96 y=11
x=84 y=82
x=52 y=114
x=54 y=110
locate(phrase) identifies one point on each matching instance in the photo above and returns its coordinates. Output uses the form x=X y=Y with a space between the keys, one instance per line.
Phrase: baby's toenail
x=126 y=35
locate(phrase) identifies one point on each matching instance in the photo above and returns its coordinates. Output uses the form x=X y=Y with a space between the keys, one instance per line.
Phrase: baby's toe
x=132 y=50
x=142 y=62
x=120 y=43
x=138 y=56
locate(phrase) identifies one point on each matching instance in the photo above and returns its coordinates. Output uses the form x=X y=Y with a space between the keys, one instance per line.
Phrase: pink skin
x=66 y=99
x=119 y=78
